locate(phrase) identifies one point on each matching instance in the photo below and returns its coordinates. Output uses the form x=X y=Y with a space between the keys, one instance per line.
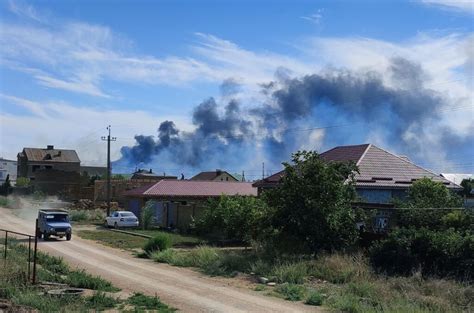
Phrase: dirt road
x=179 y=287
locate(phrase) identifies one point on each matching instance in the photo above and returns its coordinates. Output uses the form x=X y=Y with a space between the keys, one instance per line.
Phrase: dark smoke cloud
x=234 y=136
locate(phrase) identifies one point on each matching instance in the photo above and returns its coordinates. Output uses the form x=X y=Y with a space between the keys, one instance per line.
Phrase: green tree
x=6 y=187
x=312 y=206
x=467 y=185
x=235 y=217
x=427 y=193
x=22 y=182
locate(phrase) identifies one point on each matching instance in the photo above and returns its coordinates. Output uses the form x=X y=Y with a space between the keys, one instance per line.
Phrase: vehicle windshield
x=127 y=214
x=57 y=218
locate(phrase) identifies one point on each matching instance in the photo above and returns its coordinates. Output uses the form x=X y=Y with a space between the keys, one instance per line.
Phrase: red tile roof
x=378 y=168
x=193 y=189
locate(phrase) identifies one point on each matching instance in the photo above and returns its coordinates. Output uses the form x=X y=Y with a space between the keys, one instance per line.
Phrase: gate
x=14 y=246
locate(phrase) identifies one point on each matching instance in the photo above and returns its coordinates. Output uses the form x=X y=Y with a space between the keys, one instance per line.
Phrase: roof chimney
x=218 y=171
x=151 y=171
x=50 y=147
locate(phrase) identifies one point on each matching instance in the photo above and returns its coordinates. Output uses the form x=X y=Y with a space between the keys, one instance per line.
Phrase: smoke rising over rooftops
x=318 y=111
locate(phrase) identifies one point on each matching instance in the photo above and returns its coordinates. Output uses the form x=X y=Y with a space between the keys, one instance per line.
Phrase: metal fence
x=13 y=238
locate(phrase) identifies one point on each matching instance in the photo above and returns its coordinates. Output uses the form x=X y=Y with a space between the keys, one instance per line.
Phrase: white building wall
x=8 y=167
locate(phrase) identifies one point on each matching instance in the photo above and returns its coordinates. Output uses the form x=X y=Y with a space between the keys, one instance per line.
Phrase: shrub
x=99 y=301
x=81 y=279
x=4 y=201
x=78 y=216
x=160 y=242
x=339 y=268
x=293 y=273
x=146 y=217
x=312 y=206
x=436 y=253
x=22 y=182
x=291 y=292
x=233 y=217
x=314 y=298
x=144 y=302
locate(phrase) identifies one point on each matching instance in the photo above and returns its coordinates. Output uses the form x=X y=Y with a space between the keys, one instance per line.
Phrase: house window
x=227 y=178
x=34 y=168
x=48 y=167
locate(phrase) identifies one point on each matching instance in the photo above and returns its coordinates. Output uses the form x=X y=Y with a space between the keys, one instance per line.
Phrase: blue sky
x=69 y=68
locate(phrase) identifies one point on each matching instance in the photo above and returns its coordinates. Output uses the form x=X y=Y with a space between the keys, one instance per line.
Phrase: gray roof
x=51 y=155
x=381 y=169
x=378 y=168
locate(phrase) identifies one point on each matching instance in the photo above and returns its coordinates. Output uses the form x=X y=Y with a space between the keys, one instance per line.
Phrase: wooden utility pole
x=109 y=168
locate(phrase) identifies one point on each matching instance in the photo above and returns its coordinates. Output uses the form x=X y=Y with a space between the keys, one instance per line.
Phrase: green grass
x=314 y=298
x=177 y=240
x=4 y=202
x=144 y=302
x=341 y=282
x=14 y=287
x=130 y=242
x=113 y=239
x=291 y=292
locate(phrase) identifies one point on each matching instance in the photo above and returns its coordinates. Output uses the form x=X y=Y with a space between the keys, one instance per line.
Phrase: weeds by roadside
x=22 y=296
x=339 y=281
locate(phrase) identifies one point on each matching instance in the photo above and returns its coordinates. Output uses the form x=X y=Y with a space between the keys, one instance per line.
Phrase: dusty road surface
x=179 y=287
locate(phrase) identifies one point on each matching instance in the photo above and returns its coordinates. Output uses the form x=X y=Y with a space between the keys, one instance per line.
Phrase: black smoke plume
x=355 y=106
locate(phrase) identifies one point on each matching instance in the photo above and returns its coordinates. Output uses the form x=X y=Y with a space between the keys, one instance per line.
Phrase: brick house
x=178 y=201
x=50 y=170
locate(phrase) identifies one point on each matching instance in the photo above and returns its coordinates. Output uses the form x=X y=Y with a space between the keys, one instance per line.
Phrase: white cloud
x=315 y=18
x=74 y=127
x=460 y=5
x=21 y=9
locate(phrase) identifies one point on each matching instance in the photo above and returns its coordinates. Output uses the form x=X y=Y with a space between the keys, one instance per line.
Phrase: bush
x=435 y=253
x=312 y=206
x=160 y=242
x=233 y=217
x=4 y=201
x=340 y=268
x=144 y=302
x=81 y=279
x=99 y=301
x=78 y=216
x=146 y=217
x=22 y=182
x=293 y=273
x=291 y=292
x=314 y=298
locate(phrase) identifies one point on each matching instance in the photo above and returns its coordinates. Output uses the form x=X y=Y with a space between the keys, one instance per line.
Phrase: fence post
x=29 y=256
x=6 y=243
x=34 y=260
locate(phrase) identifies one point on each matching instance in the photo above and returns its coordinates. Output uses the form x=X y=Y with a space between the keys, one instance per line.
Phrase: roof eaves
x=429 y=171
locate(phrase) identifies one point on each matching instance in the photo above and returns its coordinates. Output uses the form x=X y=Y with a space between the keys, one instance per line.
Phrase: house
x=383 y=175
x=94 y=171
x=118 y=187
x=177 y=202
x=458 y=179
x=217 y=175
x=52 y=171
x=149 y=175
x=8 y=168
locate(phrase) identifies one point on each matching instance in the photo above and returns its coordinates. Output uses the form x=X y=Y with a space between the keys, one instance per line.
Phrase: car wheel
x=116 y=225
x=68 y=237
x=46 y=237
x=106 y=225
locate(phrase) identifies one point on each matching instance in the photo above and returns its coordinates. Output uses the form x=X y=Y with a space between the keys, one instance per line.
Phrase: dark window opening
x=34 y=168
